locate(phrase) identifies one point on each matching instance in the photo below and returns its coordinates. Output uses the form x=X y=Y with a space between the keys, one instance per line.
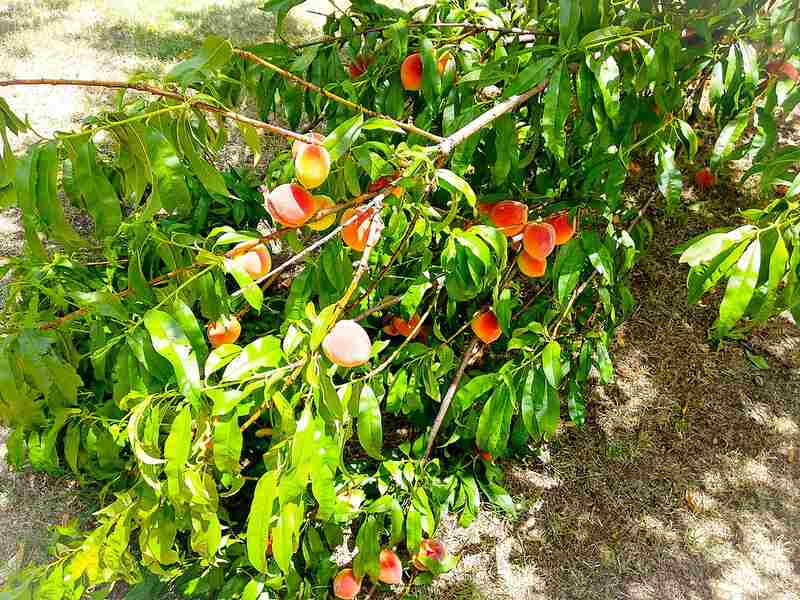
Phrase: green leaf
x=250 y=289
x=668 y=176
x=598 y=255
x=530 y=403
x=227 y=444
x=177 y=449
x=534 y=74
x=606 y=74
x=603 y=36
x=778 y=259
x=455 y=184
x=569 y=18
x=265 y=352
x=576 y=403
x=689 y=138
x=557 y=105
x=494 y=424
x=338 y=141
x=368 y=546
x=551 y=363
x=281 y=8
x=383 y=125
x=220 y=357
x=739 y=290
x=707 y=246
x=212 y=56
x=285 y=535
x=15 y=449
x=171 y=342
x=370 y=425
x=260 y=518
x=730 y=134
x=169 y=190
x=548 y=411
x=568 y=267
x=502 y=308
x=48 y=202
x=431 y=79
x=26 y=177
x=211 y=179
x=188 y=323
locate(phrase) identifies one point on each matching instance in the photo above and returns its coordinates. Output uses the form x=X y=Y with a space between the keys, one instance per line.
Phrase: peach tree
x=281 y=380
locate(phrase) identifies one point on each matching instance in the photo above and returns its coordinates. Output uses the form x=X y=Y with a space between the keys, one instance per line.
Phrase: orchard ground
x=643 y=502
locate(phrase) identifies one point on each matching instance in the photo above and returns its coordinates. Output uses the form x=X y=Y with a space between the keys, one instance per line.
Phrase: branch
x=475 y=29
x=156 y=91
x=390 y=301
x=448 y=397
x=453 y=140
x=331 y=96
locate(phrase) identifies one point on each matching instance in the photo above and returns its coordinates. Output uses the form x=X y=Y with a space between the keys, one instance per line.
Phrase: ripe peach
x=486 y=207
x=357 y=233
x=784 y=70
x=389 y=329
x=391 y=568
x=255 y=260
x=345 y=585
x=322 y=203
x=704 y=178
x=430 y=549
x=290 y=205
x=486 y=327
x=487 y=456
x=403 y=327
x=532 y=267
x=565 y=228
x=359 y=66
x=224 y=331
x=634 y=168
x=509 y=216
x=347 y=344
x=539 y=240
x=411 y=72
x=312 y=165
x=298 y=144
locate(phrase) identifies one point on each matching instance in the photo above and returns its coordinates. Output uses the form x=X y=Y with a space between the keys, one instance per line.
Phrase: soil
x=683 y=484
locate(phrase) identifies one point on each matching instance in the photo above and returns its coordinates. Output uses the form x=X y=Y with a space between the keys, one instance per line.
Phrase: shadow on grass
x=23 y=15
x=645 y=503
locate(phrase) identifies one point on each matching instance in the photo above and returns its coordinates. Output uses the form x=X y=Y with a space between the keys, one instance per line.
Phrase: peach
x=784 y=70
x=312 y=165
x=634 y=168
x=486 y=327
x=290 y=205
x=509 y=216
x=382 y=182
x=487 y=456
x=356 y=233
x=322 y=203
x=347 y=344
x=359 y=66
x=403 y=327
x=224 y=331
x=565 y=228
x=444 y=59
x=345 y=585
x=391 y=568
x=254 y=259
x=486 y=207
x=298 y=144
x=704 y=178
x=539 y=240
x=411 y=72
x=430 y=549
x=532 y=267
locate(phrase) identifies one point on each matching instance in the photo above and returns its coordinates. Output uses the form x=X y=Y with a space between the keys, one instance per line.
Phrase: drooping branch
x=334 y=97
x=164 y=93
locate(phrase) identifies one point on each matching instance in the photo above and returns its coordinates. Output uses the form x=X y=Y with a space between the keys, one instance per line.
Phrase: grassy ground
x=642 y=503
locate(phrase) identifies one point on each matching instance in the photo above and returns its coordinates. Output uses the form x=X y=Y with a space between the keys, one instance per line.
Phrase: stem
x=453 y=140
x=286 y=383
x=390 y=301
x=331 y=96
x=448 y=397
x=156 y=91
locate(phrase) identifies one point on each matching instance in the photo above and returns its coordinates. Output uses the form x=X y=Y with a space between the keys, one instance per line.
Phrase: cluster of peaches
x=293 y=206
x=538 y=242
x=347 y=586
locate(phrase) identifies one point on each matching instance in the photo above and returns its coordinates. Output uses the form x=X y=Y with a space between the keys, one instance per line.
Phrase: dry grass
x=642 y=503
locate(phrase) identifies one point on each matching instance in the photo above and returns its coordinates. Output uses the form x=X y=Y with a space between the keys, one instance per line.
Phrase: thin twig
x=448 y=397
x=298 y=367
x=335 y=98
x=386 y=303
x=156 y=91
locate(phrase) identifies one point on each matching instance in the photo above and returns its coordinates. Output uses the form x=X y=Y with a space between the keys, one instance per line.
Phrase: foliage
x=250 y=470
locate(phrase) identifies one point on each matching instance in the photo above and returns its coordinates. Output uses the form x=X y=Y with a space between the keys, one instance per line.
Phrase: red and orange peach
x=704 y=178
x=224 y=331
x=486 y=327
x=290 y=205
x=346 y=585
x=509 y=216
x=530 y=266
x=564 y=228
x=356 y=233
x=539 y=240
x=322 y=203
x=391 y=568
x=431 y=550
x=411 y=72
x=254 y=259
x=312 y=165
